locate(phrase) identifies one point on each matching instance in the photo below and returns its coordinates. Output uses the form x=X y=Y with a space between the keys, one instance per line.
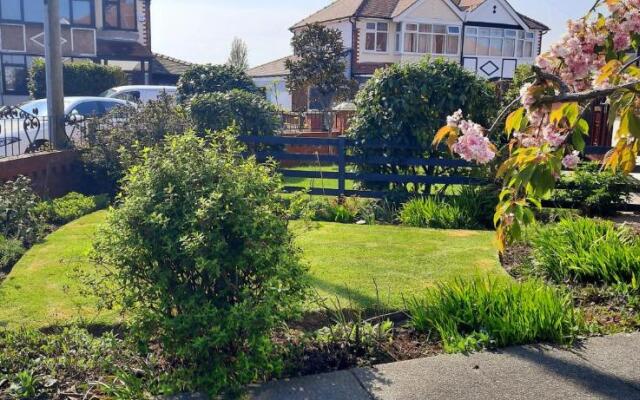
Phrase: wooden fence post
x=342 y=165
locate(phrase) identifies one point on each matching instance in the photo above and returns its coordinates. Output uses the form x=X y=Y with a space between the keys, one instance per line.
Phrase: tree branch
x=586 y=95
x=544 y=76
x=503 y=114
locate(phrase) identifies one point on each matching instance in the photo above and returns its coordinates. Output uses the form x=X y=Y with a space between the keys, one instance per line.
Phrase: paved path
x=602 y=368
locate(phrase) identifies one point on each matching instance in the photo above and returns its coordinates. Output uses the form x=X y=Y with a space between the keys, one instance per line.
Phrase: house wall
x=487 y=13
x=276 y=91
x=435 y=10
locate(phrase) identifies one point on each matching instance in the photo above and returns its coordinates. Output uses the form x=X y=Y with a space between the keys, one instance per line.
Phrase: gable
x=430 y=10
x=495 y=12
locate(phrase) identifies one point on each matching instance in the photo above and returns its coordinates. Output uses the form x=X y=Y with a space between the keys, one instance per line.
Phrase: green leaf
x=629 y=125
x=514 y=121
x=582 y=127
x=577 y=139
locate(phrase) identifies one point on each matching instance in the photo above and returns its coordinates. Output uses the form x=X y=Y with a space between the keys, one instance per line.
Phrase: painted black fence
x=343 y=156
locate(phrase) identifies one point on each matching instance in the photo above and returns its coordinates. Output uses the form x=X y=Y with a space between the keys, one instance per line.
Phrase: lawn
x=346 y=262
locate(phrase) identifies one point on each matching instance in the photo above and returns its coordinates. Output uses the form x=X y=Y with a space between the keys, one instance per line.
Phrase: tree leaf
x=514 y=121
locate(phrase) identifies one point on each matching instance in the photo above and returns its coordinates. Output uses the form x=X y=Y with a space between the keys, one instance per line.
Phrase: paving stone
x=333 y=386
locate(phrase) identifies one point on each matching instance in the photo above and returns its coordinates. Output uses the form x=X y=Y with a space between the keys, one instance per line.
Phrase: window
x=34 y=11
x=11 y=10
x=431 y=39
x=87 y=109
x=498 y=42
x=120 y=14
x=398 y=44
x=377 y=35
x=81 y=12
x=14 y=74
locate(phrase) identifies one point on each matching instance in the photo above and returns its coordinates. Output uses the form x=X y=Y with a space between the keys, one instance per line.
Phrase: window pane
x=397 y=44
x=128 y=14
x=483 y=46
x=510 y=33
x=439 y=29
x=519 y=48
x=81 y=10
x=111 y=15
x=509 y=48
x=382 y=26
x=371 y=26
x=496 y=47
x=15 y=78
x=454 y=29
x=11 y=9
x=424 y=44
x=410 y=42
x=370 y=43
x=426 y=28
x=471 y=31
x=520 y=34
x=496 y=32
x=484 y=31
x=412 y=27
x=438 y=44
x=452 y=44
x=528 y=49
x=470 y=46
x=529 y=35
x=381 y=44
x=65 y=9
x=88 y=108
x=34 y=11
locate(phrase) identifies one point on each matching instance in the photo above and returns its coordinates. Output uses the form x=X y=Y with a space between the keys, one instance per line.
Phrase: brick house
x=488 y=37
x=113 y=32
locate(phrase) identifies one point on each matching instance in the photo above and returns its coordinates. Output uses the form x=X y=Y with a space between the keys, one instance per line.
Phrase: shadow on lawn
x=356 y=300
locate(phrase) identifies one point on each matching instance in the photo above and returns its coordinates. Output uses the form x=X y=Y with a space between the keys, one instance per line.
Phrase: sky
x=202 y=30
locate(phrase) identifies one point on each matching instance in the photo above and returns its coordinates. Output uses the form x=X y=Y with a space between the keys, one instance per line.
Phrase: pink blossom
x=571 y=161
x=528 y=99
x=553 y=137
x=454 y=120
x=473 y=145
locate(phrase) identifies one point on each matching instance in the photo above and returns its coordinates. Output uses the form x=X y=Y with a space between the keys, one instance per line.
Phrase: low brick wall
x=53 y=174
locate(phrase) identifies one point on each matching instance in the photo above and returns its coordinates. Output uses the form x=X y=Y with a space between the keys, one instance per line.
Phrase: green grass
x=345 y=260
x=43 y=289
x=312 y=183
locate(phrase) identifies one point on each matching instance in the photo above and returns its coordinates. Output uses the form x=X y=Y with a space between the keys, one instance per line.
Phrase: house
x=114 y=32
x=488 y=37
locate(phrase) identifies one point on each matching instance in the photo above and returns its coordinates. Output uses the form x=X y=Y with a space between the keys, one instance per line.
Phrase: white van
x=139 y=94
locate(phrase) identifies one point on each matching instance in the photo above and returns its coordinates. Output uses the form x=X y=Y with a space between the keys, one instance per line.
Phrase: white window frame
x=376 y=30
x=24 y=39
x=428 y=29
x=520 y=38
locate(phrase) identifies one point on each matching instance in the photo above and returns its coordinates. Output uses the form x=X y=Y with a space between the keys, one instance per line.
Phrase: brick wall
x=53 y=174
x=358 y=68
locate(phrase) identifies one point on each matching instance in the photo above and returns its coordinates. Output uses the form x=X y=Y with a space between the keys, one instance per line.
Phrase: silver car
x=25 y=129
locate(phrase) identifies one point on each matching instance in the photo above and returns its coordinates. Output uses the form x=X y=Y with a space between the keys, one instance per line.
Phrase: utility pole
x=55 y=87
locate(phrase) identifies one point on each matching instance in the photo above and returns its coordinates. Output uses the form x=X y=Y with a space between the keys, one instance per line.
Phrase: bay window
x=377 y=36
x=498 y=42
x=120 y=14
x=431 y=39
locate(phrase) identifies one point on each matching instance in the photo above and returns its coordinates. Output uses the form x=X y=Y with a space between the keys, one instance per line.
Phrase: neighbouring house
x=113 y=32
x=488 y=37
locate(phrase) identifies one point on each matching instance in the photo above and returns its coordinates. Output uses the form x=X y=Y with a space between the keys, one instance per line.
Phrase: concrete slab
x=619 y=355
x=516 y=373
x=333 y=386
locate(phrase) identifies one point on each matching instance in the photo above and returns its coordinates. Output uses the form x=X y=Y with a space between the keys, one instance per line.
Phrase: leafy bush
x=252 y=113
x=18 y=217
x=594 y=190
x=80 y=79
x=404 y=105
x=10 y=252
x=434 y=213
x=203 y=79
x=70 y=207
x=199 y=250
x=346 y=211
x=118 y=146
x=469 y=315
x=587 y=250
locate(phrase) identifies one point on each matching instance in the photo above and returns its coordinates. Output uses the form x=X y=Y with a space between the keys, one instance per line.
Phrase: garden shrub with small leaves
x=10 y=252
x=199 y=251
x=70 y=207
x=489 y=313
x=18 y=217
x=203 y=79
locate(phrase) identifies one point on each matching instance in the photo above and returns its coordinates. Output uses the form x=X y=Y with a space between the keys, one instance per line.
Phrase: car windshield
x=108 y=93
x=38 y=107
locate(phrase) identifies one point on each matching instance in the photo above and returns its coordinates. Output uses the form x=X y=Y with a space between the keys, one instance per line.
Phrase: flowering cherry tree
x=596 y=59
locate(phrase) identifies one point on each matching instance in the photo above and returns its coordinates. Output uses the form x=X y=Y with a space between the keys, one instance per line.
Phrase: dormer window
x=377 y=36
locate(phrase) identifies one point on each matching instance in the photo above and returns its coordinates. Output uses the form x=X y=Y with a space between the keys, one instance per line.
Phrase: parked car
x=25 y=129
x=140 y=94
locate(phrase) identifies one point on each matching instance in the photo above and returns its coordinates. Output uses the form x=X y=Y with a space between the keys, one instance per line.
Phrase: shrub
x=346 y=211
x=433 y=213
x=70 y=207
x=403 y=106
x=199 y=250
x=10 y=252
x=203 y=79
x=252 y=113
x=469 y=315
x=118 y=145
x=594 y=190
x=588 y=251
x=80 y=79
x=18 y=217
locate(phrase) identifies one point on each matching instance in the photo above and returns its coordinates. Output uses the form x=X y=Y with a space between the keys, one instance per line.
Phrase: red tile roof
x=273 y=68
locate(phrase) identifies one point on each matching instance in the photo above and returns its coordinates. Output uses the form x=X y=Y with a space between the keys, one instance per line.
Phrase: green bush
x=404 y=105
x=434 y=213
x=594 y=190
x=10 y=252
x=70 y=207
x=587 y=250
x=252 y=113
x=80 y=79
x=18 y=217
x=346 y=211
x=203 y=79
x=469 y=315
x=118 y=146
x=199 y=250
